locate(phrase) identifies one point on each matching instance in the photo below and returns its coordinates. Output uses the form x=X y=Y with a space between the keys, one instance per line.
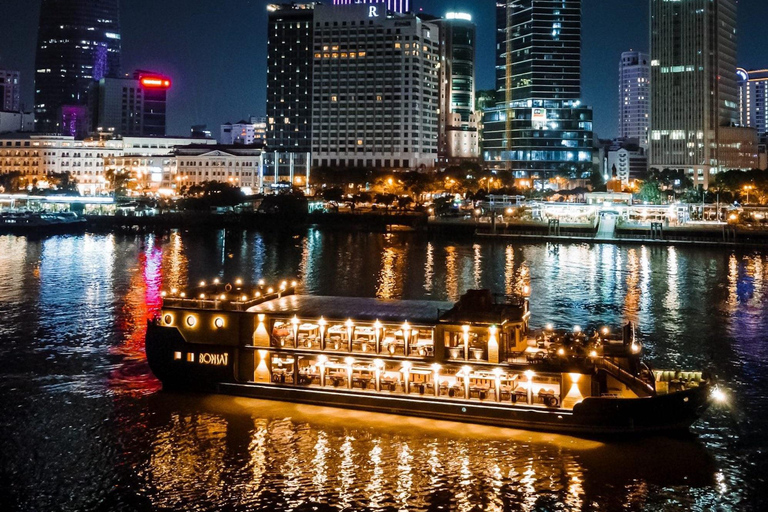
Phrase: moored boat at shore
x=40 y=222
x=473 y=361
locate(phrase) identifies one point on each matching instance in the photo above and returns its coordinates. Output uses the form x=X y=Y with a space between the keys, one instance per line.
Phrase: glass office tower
x=78 y=43
x=539 y=126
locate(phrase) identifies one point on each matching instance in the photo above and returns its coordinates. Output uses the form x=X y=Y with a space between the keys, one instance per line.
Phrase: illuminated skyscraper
x=392 y=5
x=458 y=129
x=694 y=94
x=634 y=96
x=78 y=43
x=130 y=106
x=289 y=77
x=539 y=125
x=753 y=101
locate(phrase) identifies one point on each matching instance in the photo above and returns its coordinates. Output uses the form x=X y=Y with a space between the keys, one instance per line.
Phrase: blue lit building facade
x=539 y=128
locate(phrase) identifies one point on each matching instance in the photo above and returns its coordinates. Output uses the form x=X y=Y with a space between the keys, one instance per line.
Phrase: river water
x=85 y=425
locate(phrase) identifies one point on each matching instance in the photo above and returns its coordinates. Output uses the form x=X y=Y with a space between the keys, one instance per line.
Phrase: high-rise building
x=9 y=91
x=635 y=96
x=539 y=126
x=753 y=101
x=694 y=95
x=375 y=89
x=401 y=6
x=134 y=107
x=289 y=77
x=458 y=129
x=78 y=43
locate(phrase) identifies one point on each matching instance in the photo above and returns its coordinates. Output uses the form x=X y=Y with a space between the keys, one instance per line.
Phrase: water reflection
x=298 y=455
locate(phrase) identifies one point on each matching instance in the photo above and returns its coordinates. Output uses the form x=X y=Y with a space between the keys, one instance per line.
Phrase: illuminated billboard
x=539 y=118
x=155 y=82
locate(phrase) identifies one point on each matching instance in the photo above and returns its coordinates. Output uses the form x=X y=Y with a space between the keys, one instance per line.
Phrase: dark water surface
x=84 y=425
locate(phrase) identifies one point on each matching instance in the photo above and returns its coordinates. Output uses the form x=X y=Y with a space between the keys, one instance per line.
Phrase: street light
x=747 y=188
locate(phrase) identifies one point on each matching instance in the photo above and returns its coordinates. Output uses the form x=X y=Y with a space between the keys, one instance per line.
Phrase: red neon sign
x=155 y=82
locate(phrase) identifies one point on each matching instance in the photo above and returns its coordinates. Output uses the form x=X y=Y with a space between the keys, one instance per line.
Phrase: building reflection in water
x=672 y=298
x=509 y=270
x=392 y=273
x=632 y=297
x=452 y=284
x=477 y=266
x=429 y=268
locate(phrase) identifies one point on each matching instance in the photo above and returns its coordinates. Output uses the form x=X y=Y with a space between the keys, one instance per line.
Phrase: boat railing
x=636 y=384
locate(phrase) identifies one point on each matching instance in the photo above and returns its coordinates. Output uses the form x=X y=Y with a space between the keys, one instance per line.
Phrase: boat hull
x=674 y=412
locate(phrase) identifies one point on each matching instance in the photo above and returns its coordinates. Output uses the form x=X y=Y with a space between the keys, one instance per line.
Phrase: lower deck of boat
x=520 y=416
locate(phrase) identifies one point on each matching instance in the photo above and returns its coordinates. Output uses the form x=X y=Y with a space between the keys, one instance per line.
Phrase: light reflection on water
x=74 y=313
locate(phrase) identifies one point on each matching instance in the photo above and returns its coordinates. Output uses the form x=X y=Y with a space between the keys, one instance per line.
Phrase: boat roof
x=358 y=308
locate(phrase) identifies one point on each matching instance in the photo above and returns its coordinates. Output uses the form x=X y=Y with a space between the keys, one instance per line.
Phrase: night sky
x=216 y=51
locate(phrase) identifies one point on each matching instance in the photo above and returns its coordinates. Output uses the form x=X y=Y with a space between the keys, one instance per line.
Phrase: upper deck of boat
x=358 y=308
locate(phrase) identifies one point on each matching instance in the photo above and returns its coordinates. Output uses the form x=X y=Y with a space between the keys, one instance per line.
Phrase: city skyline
x=189 y=48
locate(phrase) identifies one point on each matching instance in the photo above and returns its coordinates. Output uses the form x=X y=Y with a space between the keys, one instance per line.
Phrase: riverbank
x=381 y=222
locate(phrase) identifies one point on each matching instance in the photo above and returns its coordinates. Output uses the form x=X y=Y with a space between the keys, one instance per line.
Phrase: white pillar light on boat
x=322 y=323
x=378 y=331
x=216 y=281
x=465 y=328
x=321 y=360
x=349 y=362
x=529 y=375
x=436 y=378
x=202 y=283
x=576 y=329
x=407 y=376
x=295 y=323
x=466 y=371
x=635 y=348
x=406 y=327
x=605 y=331
x=238 y=281
x=350 y=325
x=378 y=364
x=497 y=373
x=493 y=345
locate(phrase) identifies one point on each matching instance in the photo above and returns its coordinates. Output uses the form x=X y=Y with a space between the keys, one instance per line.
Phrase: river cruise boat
x=472 y=361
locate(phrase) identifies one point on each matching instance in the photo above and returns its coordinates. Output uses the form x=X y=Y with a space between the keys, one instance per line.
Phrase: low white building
x=37 y=157
x=236 y=165
x=149 y=160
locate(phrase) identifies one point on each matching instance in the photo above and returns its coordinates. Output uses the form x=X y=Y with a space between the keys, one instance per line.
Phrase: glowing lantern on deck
x=350 y=325
x=295 y=323
x=378 y=331
x=436 y=378
x=322 y=323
